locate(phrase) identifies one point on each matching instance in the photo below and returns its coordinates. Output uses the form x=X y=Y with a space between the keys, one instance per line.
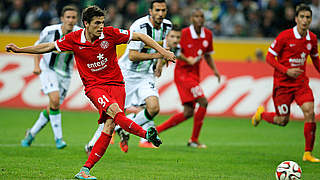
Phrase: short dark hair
x=176 y=28
x=90 y=12
x=68 y=8
x=156 y=1
x=303 y=7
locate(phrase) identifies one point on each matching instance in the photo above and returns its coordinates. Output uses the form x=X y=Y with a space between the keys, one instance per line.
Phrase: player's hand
x=294 y=72
x=36 y=70
x=157 y=72
x=12 y=47
x=218 y=76
x=169 y=56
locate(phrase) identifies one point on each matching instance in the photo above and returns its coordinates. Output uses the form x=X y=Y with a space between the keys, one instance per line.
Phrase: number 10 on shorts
x=102 y=100
x=283 y=109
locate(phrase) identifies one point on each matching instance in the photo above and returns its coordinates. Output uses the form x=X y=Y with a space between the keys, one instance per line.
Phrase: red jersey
x=292 y=51
x=97 y=62
x=194 y=46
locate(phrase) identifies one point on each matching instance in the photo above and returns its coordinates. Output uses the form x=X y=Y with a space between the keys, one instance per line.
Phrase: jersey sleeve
x=121 y=36
x=44 y=38
x=65 y=43
x=210 y=45
x=135 y=45
x=277 y=45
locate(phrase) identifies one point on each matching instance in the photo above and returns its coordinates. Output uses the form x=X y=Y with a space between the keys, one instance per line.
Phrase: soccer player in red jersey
x=94 y=48
x=196 y=42
x=292 y=48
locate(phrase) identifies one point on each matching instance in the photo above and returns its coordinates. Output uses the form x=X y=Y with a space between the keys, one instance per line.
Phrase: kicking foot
x=152 y=136
x=196 y=144
x=84 y=174
x=146 y=144
x=307 y=156
x=124 y=138
x=60 y=144
x=26 y=142
x=256 y=118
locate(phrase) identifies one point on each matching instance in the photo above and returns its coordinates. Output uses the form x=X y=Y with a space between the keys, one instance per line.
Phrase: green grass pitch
x=236 y=150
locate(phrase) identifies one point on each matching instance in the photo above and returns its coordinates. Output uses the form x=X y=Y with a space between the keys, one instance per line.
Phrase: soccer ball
x=288 y=170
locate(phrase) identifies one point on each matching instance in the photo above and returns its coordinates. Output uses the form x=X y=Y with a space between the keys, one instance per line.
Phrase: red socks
x=98 y=150
x=268 y=116
x=197 y=123
x=309 y=135
x=173 y=121
x=128 y=125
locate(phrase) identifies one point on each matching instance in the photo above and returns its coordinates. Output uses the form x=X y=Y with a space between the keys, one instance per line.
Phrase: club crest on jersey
x=205 y=43
x=309 y=46
x=104 y=44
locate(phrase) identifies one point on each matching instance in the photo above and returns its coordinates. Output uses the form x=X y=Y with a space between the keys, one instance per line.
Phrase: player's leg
x=88 y=147
x=309 y=131
x=198 y=122
x=304 y=98
x=282 y=99
x=98 y=150
x=55 y=118
x=36 y=128
x=177 y=118
x=145 y=118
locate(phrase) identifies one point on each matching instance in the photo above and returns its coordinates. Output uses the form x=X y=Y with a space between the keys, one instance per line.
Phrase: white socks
x=40 y=123
x=55 y=120
x=96 y=135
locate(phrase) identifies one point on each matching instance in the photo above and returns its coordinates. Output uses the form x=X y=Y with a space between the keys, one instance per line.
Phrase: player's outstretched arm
x=167 y=55
x=38 y=49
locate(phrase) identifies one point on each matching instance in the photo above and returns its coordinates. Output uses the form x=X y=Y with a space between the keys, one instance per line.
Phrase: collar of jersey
x=83 y=37
x=298 y=36
x=194 y=35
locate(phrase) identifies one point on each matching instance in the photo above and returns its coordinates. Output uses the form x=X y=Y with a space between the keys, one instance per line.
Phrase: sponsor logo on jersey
x=99 y=65
x=298 y=61
x=104 y=44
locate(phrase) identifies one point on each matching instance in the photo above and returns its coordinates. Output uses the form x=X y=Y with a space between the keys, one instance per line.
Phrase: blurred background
x=226 y=18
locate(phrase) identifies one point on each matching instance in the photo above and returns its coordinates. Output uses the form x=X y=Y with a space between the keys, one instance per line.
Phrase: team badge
x=104 y=44
x=309 y=46
x=205 y=43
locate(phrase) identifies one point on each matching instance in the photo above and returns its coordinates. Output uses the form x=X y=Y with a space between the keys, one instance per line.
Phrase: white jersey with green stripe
x=143 y=25
x=61 y=63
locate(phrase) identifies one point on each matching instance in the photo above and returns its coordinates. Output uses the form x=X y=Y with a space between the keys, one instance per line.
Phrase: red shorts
x=189 y=91
x=284 y=96
x=103 y=96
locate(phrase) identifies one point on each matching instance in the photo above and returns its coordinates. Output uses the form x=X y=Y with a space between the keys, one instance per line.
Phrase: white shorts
x=51 y=81
x=138 y=89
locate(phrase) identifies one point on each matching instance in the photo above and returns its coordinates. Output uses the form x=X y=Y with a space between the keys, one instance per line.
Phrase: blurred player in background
x=55 y=70
x=140 y=65
x=196 y=43
x=94 y=48
x=290 y=83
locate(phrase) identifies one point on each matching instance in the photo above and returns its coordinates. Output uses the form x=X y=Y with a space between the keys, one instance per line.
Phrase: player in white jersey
x=140 y=66
x=55 y=70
